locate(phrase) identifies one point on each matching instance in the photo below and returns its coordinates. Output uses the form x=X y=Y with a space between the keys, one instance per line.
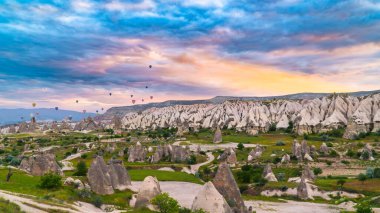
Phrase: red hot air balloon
x=142 y=100
x=151 y=97
x=133 y=101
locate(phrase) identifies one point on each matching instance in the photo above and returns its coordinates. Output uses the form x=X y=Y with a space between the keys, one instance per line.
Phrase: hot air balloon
x=102 y=109
x=56 y=108
x=97 y=111
x=146 y=87
x=151 y=97
x=34 y=104
x=150 y=66
x=142 y=100
x=22 y=118
x=77 y=101
x=133 y=101
x=70 y=117
x=110 y=94
x=131 y=96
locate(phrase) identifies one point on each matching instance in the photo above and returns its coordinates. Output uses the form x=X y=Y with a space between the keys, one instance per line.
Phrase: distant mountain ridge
x=121 y=111
x=12 y=116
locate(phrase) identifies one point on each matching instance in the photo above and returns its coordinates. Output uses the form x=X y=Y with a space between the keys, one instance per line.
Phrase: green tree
x=240 y=146
x=340 y=183
x=362 y=177
x=50 y=181
x=317 y=171
x=81 y=169
x=363 y=208
x=165 y=203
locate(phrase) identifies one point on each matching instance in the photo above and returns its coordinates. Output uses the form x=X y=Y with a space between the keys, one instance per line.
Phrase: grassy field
x=369 y=187
x=8 y=207
x=139 y=175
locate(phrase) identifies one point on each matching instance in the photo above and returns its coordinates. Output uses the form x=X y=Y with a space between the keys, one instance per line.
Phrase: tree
x=363 y=208
x=51 y=181
x=317 y=171
x=81 y=169
x=240 y=146
x=165 y=203
x=9 y=175
x=340 y=183
x=362 y=177
x=376 y=173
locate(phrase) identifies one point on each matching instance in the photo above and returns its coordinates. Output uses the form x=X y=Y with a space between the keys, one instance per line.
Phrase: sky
x=54 y=52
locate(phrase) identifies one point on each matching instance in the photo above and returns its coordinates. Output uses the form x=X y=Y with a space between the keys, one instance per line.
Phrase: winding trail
x=195 y=168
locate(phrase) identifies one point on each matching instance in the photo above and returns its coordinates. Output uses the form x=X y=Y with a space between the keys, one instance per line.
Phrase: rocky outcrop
x=268 y=174
x=218 y=136
x=367 y=153
x=226 y=185
x=210 y=200
x=324 y=149
x=136 y=153
x=149 y=189
x=117 y=123
x=308 y=116
x=161 y=152
x=307 y=173
x=99 y=178
x=285 y=159
x=120 y=179
x=180 y=153
x=40 y=164
x=104 y=179
x=303 y=190
x=228 y=156
x=255 y=153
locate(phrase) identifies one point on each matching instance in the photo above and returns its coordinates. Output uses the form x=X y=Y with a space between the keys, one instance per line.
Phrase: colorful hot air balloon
x=133 y=101
x=151 y=97
x=56 y=108
x=34 y=104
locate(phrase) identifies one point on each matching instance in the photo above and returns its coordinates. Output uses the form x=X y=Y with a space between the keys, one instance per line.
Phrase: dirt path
x=195 y=168
x=210 y=147
x=291 y=207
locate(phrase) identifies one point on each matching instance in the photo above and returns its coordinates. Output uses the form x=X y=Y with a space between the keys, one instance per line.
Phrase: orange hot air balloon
x=34 y=104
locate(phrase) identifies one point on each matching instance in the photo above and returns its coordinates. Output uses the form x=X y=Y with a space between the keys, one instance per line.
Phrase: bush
x=376 y=173
x=370 y=172
x=350 y=153
x=192 y=160
x=363 y=208
x=317 y=171
x=50 y=181
x=84 y=156
x=280 y=143
x=333 y=153
x=81 y=169
x=165 y=203
x=240 y=146
x=97 y=201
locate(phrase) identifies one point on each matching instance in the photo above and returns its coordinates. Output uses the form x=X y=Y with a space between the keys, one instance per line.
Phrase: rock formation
x=268 y=174
x=40 y=164
x=360 y=114
x=120 y=179
x=149 y=189
x=367 y=153
x=307 y=173
x=324 y=149
x=210 y=200
x=226 y=185
x=303 y=190
x=104 y=179
x=255 y=153
x=161 y=152
x=218 y=136
x=228 y=156
x=180 y=153
x=99 y=178
x=136 y=153
x=285 y=159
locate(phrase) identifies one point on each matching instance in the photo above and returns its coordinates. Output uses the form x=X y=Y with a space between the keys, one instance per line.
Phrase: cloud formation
x=55 y=52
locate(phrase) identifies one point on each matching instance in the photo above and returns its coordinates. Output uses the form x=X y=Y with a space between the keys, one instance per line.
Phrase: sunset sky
x=56 y=52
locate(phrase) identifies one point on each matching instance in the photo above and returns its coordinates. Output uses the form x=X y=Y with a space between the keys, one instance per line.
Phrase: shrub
x=362 y=177
x=50 y=181
x=345 y=162
x=81 y=169
x=376 y=173
x=192 y=160
x=317 y=171
x=363 y=208
x=370 y=172
x=165 y=203
x=350 y=153
x=84 y=156
x=333 y=153
x=280 y=143
x=240 y=146
x=97 y=201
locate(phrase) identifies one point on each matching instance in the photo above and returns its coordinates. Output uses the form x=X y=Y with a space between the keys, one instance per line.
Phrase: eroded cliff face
x=317 y=115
